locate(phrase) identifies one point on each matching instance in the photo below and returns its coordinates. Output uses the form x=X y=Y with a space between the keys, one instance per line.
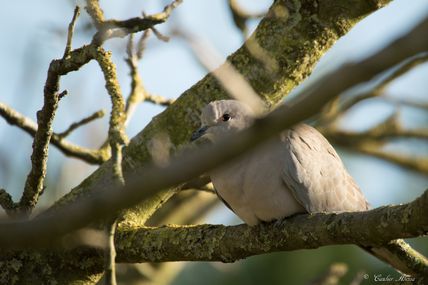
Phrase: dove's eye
x=226 y=117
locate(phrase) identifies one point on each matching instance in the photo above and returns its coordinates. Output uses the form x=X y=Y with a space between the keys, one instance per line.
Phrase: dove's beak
x=199 y=133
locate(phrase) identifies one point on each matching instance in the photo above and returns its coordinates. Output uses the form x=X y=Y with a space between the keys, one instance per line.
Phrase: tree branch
x=108 y=29
x=152 y=178
x=94 y=10
x=7 y=203
x=84 y=121
x=289 y=40
x=340 y=105
x=117 y=138
x=296 y=43
x=138 y=92
x=240 y=16
x=34 y=183
x=230 y=243
x=416 y=163
x=92 y=156
x=71 y=31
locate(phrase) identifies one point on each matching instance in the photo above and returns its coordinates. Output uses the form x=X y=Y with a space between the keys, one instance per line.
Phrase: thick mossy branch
x=153 y=177
x=294 y=33
x=230 y=243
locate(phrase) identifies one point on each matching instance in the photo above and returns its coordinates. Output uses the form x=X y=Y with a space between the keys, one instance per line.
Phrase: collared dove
x=298 y=171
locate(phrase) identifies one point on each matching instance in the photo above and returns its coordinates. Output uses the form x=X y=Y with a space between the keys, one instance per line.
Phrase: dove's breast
x=252 y=185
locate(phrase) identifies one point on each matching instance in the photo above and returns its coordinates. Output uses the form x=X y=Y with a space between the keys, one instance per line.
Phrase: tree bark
x=295 y=34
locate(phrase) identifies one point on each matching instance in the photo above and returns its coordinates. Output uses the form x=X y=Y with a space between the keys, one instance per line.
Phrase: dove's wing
x=315 y=174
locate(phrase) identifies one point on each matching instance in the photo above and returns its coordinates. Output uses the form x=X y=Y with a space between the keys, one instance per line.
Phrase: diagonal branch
x=34 y=184
x=371 y=142
x=84 y=121
x=152 y=178
x=241 y=16
x=416 y=163
x=340 y=105
x=35 y=179
x=179 y=120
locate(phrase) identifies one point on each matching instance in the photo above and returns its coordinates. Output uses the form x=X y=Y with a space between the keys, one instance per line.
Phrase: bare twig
x=142 y=43
x=159 y=35
x=113 y=28
x=344 y=137
x=158 y=100
x=389 y=128
x=416 y=163
x=137 y=89
x=153 y=178
x=117 y=117
x=7 y=203
x=240 y=16
x=71 y=31
x=110 y=253
x=84 y=121
x=89 y=155
x=337 y=107
x=372 y=141
x=117 y=138
x=404 y=102
x=94 y=10
x=138 y=92
x=34 y=183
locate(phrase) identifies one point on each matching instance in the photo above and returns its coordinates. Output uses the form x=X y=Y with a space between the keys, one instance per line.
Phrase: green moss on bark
x=295 y=34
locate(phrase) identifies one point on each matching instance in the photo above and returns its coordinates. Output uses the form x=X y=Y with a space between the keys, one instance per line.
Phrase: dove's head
x=223 y=117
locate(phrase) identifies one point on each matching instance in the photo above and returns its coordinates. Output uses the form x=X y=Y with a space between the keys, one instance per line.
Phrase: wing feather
x=316 y=175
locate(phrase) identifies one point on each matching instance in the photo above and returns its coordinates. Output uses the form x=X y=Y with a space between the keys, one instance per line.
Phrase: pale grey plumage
x=296 y=172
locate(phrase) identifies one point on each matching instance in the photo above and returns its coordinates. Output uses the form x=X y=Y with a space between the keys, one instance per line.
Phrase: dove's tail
x=402 y=257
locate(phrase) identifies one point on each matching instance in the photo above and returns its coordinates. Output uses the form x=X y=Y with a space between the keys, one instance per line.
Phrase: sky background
x=33 y=33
